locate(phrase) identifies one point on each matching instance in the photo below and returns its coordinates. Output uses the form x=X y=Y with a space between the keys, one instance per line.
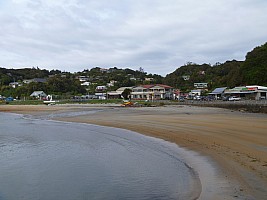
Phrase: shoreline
x=238 y=151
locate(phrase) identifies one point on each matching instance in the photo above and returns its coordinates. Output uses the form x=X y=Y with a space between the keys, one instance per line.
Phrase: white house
x=186 y=77
x=27 y=81
x=152 y=92
x=146 y=92
x=200 y=85
x=101 y=95
x=38 y=94
x=86 y=83
x=101 y=88
x=117 y=94
x=83 y=78
x=111 y=83
x=149 y=79
x=195 y=92
x=15 y=84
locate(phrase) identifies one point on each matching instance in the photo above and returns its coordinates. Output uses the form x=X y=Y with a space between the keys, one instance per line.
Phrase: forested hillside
x=68 y=84
x=254 y=68
x=226 y=74
x=252 y=71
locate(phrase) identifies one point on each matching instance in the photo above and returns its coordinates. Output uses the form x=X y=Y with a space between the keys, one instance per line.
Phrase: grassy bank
x=66 y=101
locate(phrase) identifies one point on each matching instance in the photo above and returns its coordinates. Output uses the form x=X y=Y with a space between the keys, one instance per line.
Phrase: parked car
x=181 y=99
x=234 y=98
x=225 y=98
x=8 y=99
x=197 y=98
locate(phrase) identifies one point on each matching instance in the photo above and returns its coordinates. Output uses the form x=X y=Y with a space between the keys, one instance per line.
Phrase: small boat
x=127 y=103
x=49 y=100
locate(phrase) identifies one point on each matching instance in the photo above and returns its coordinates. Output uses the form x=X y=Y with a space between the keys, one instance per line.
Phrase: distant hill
x=254 y=68
x=252 y=71
x=226 y=74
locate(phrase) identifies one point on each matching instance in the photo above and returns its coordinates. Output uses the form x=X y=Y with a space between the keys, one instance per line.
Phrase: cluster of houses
x=145 y=92
x=27 y=81
x=159 y=91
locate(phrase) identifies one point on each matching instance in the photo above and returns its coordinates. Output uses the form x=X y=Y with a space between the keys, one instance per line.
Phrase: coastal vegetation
x=252 y=71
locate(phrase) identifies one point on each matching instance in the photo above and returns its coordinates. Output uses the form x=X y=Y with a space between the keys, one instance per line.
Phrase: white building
x=117 y=94
x=149 y=79
x=83 y=78
x=101 y=88
x=15 y=84
x=186 y=77
x=86 y=83
x=253 y=92
x=38 y=94
x=152 y=92
x=195 y=92
x=201 y=85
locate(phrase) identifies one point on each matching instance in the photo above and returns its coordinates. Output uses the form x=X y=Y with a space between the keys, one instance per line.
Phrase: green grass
x=91 y=101
x=26 y=102
x=39 y=102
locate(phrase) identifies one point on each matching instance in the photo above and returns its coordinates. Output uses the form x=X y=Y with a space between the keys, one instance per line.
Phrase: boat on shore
x=49 y=100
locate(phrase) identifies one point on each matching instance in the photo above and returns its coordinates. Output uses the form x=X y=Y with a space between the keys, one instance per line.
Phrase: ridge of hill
x=252 y=71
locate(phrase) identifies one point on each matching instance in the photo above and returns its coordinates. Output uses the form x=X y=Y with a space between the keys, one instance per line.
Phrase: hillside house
x=101 y=88
x=15 y=84
x=83 y=78
x=86 y=83
x=35 y=80
x=111 y=83
x=186 y=77
x=201 y=85
x=149 y=79
x=39 y=80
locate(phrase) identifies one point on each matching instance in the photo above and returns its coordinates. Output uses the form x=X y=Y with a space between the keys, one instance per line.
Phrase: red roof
x=161 y=85
x=147 y=86
x=165 y=86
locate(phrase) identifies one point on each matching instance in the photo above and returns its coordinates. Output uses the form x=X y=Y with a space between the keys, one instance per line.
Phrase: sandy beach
x=236 y=141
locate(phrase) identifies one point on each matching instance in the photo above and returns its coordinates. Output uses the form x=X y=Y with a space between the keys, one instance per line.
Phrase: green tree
x=254 y=69
x=126 y=93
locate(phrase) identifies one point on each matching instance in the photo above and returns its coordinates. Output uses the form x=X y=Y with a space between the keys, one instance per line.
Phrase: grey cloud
x=157 y=35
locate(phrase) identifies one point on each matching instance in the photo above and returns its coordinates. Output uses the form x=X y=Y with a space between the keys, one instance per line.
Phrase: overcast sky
x=157 y=35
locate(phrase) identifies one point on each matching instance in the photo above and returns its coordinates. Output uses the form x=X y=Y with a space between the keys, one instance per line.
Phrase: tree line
x=252 y=71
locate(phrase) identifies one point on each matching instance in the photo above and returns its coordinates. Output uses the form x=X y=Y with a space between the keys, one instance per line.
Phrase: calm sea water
x=46 y=160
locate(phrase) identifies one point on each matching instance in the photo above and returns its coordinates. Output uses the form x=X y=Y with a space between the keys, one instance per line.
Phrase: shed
x=218 y=92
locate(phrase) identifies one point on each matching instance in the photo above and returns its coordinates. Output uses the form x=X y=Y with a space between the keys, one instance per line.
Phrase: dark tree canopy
x=254 y=68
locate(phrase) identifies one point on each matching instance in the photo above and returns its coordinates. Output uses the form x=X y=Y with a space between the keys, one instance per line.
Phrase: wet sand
x=236 y=141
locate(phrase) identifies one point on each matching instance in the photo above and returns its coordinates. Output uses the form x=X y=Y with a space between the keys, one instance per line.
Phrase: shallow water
x=41 y=159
